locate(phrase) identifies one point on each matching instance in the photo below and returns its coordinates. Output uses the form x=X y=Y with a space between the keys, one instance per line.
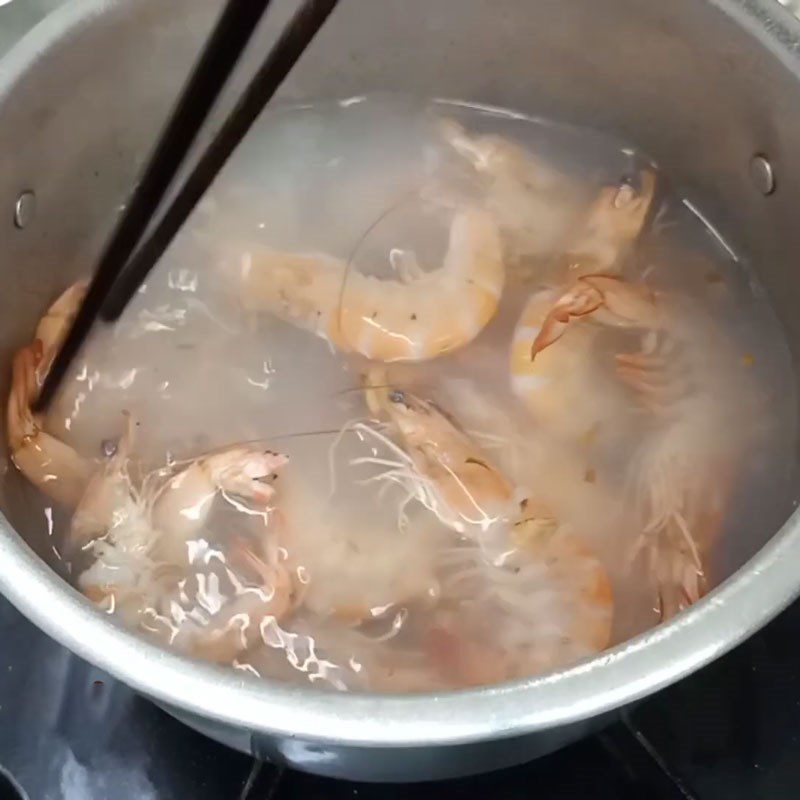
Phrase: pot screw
x=762 y=174
x=24 y=209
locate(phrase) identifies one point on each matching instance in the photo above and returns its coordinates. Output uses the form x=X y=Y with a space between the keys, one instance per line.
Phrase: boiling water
x=385 y=595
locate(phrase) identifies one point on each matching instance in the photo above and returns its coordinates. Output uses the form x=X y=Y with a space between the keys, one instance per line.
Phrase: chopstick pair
x=125 y=262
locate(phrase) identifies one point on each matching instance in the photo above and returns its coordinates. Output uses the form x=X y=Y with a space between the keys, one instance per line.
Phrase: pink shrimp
x=421 y=316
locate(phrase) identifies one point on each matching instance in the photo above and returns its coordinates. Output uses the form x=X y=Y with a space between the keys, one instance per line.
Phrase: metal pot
x=702 y=85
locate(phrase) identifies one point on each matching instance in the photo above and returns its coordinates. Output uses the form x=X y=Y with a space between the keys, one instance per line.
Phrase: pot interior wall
x=681 y=80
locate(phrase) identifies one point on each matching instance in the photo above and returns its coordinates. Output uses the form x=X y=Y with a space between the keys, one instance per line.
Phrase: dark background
x=730 y=732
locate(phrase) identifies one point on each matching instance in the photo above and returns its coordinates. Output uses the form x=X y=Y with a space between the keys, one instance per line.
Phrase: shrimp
x=680 y=478
x=553 y=594
x=439 y=463
x=55 y=324
x=539 y=209
x=49 y=464
x=132 y=544
x=98 y=497
x=141 y=546
x=551 y=597
x=174 y=509
x=552 y=363
x=252 y=576
x=182 y=504
x=419 y=317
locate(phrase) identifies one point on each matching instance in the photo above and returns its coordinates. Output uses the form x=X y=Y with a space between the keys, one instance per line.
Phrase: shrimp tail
x=610 y=300
x=579 y=302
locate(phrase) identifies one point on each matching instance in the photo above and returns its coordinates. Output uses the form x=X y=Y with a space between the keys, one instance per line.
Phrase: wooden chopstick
x=284 y=55
x=220 y=55
x=225 y=46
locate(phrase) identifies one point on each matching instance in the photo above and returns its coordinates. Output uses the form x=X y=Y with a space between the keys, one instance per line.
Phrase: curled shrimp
x=252 y=572
x=552 y=595
x=680 y=477
x=98 y=497
x=542 y=213
x=182 y=504
x=145 y=561
x=48 y=463
x=552 y=359
x=54 y=325
x=418 y=317
x=133 y=543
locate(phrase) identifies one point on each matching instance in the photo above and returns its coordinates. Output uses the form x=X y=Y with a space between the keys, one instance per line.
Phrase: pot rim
x=751 y=597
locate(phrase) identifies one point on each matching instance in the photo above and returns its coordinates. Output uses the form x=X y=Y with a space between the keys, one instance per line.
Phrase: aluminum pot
x=702 y=85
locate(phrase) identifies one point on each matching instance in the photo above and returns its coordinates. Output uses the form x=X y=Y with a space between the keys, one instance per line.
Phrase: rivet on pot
x=762 y=174
x=24 y=210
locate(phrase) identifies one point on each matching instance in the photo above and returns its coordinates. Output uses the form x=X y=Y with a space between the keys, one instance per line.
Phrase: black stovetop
x=69 y=732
